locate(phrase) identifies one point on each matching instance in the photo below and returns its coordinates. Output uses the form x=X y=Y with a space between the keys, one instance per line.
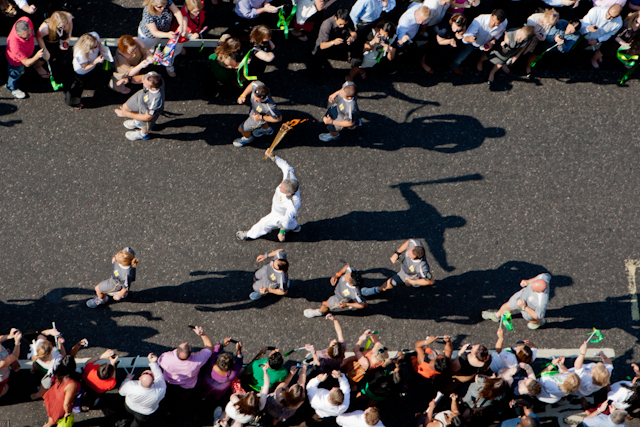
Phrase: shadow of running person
x=420 y=221
x=445 y=133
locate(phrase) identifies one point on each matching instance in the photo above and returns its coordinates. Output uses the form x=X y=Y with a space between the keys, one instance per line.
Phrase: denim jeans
x=15 y=72
x=462 y=55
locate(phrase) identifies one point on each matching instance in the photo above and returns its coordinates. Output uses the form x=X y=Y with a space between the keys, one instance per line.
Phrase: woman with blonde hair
x=53 y=38
x=87 y=53
x=193 y=15
x=123 y=274
x=557 y=382
x=593 y=376
x=132 y=56
x=156 y=24
x=543 y=25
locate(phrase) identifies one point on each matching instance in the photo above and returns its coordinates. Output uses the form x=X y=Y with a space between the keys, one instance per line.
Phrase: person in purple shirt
x=218 y=374
x=181 y=367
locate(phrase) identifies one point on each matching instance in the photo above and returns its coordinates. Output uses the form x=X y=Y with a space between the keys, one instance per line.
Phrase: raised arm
x=287 y=170
x=264 y=391
x=580 y=359
x=199 y=330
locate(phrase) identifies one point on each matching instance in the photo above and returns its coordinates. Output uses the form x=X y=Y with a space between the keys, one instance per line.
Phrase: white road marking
x=632 y=265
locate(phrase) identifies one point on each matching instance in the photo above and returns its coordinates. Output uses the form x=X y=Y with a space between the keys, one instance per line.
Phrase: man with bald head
x=598 y=26
x=142 y=397
x=531 y=301
x=182 y=366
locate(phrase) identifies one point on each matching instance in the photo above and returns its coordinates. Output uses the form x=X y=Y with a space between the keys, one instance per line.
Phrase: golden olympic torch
x=286 y=127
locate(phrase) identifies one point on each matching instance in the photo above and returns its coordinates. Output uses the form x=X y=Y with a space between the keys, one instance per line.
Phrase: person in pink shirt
x=20 y=47
x=181 y=368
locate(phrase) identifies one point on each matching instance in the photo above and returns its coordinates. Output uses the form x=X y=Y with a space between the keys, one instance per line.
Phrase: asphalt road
x=499 y=184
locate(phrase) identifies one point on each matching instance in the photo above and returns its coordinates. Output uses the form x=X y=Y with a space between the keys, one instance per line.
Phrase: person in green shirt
x=254 y=376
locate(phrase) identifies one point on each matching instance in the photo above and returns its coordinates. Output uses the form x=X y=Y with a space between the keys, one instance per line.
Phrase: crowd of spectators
x=473 y=387
x=378 y=34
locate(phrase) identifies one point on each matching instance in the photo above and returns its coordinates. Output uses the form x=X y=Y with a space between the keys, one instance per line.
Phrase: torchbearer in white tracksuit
x=284 y=207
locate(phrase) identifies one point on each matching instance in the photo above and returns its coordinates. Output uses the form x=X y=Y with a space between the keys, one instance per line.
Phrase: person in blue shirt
x=529 y=419
x=366 y=12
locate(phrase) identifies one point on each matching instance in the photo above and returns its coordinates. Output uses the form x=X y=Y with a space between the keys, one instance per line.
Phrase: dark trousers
x=74 y=94
x=464 y=52
x=139 y=420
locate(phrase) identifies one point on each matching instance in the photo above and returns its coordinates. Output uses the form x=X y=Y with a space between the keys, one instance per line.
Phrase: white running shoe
x=310 y=313
x=255 y=296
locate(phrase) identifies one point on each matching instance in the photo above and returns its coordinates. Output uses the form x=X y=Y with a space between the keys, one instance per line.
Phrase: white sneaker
x=534 y=326
x=241 y=235
x=136 y=135
x=241 y=142
x=131 y=124
x=490 y=315
x=310 y=313
x=18 y=94
x=327 y=137
x=255 y=296
x=262 y=132
x=369 y=291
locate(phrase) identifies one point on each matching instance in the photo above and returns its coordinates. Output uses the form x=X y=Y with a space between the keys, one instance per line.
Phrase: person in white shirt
x=593 y=376
x=329 y=403
x=598 y=26
x=370 y=417
x=142 y=397
x=284 y=206
x=410 y=23
x=483 y=32
x=438 y=9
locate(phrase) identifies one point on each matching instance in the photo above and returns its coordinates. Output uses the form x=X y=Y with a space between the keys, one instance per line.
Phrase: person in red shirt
x=20 y=47
x=430 y=363
x=193 y=13
x=99 y=379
